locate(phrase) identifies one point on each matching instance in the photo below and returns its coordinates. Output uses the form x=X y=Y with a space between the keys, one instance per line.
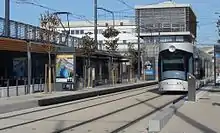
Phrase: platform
x=43 y=99
x=197 y=117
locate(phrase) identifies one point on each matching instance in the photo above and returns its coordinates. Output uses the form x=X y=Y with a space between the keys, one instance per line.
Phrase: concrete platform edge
x=161 y=119
x=18 y=106
x=72 y=97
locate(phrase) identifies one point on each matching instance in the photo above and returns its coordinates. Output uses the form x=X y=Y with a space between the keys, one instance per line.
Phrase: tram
x=176 y=60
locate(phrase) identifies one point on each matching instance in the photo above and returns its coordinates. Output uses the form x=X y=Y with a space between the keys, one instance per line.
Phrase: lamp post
x=113 y=16
x=113 y=20
x=95 y=24
x=67 y=17
x=7 y=18
x=139 y=52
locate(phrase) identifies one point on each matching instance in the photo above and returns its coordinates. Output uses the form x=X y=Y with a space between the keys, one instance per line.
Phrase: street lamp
x=7 y=18
x=95 y=23
x=113 y=17
x=67 y=17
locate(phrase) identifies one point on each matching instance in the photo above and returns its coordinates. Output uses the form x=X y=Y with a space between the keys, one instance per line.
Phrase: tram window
x=173 y=64
x=173 y=61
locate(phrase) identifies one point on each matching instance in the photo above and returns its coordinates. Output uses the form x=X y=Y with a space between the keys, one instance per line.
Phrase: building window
x=121 y=23
x=179 y=38
x=72 y=32
x=77 y=32
x=81 y=31
x=124 y=41
x=165 y=25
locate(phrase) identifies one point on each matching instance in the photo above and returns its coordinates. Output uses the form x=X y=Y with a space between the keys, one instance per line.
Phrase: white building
x=126 y=28
x=167 y=22
x=164 y=22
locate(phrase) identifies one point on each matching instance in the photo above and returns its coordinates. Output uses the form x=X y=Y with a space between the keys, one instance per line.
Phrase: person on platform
x=64 y=72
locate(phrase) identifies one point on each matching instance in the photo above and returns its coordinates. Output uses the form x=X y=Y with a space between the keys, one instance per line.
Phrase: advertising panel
x=65 y=68
x=149 y=68
x=19 y=66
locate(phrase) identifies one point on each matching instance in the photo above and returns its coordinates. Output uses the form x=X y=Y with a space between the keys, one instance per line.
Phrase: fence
x=23 y=31
x=16 y=87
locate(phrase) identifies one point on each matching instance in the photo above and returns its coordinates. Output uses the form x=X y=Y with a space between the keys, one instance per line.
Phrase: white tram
x=175 y=61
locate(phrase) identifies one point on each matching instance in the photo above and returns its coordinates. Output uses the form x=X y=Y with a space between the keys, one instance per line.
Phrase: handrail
x=24 y=31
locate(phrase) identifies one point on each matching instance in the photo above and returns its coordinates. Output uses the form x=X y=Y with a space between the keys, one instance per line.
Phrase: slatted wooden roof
x=9 y=44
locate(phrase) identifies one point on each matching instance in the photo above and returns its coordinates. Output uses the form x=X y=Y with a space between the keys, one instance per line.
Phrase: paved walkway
x=202 y=116
x=21 y=90
x=31 y=100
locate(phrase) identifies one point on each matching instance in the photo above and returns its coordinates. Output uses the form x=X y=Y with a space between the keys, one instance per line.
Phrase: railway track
x=29 y=111
x=134 y=105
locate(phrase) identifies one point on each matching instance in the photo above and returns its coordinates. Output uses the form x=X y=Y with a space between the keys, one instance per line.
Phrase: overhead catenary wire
x=76 y=16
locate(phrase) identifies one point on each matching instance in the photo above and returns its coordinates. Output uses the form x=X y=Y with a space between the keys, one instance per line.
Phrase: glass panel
x=72 y=32
x=175 y=65
x=81 y=31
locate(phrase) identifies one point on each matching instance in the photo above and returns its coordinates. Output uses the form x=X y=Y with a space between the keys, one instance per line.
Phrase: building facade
x=127 y=29
x=167 y=22
x=161 y=23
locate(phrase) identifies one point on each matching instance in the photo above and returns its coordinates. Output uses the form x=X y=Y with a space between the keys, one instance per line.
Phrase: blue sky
x=204 y=9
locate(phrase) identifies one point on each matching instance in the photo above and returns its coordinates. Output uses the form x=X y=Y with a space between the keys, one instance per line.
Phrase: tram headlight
x=172 y=48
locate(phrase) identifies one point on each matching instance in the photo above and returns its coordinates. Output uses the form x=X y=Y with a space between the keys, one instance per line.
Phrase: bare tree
x=49 y=22
x=88 y=48
x=133 y=56
x=111 y=45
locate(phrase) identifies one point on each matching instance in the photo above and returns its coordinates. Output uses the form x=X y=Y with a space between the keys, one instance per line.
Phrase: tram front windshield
x=174 y=65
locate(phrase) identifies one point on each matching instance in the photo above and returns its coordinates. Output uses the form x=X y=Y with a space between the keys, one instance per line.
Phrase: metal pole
x=7 y=18
x=29 y=67
x=138 y=30
x=191 y=87
x=16 y=87
x=8 y=95
x=215 y=64
x=113 y=17
x=95 y=23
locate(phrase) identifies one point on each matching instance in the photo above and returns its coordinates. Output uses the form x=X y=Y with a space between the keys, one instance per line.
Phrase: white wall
x=127 y=34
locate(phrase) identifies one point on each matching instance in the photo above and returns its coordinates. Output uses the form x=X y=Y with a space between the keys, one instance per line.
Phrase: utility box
x=191 y=87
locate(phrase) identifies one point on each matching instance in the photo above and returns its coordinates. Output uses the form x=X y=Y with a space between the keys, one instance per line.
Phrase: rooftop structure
x=167 y=22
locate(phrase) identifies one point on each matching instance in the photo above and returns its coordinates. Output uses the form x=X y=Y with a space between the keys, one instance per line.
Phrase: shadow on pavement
x=194 y=123
x=147 y=104
x=216 y=104
x=59 y=125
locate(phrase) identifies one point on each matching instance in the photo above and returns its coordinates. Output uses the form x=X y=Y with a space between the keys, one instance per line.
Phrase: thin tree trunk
x=85 y=71
x=49 y=73
x=113 y=77
x=46 y=80
x=131 y=74
x=89 y=73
